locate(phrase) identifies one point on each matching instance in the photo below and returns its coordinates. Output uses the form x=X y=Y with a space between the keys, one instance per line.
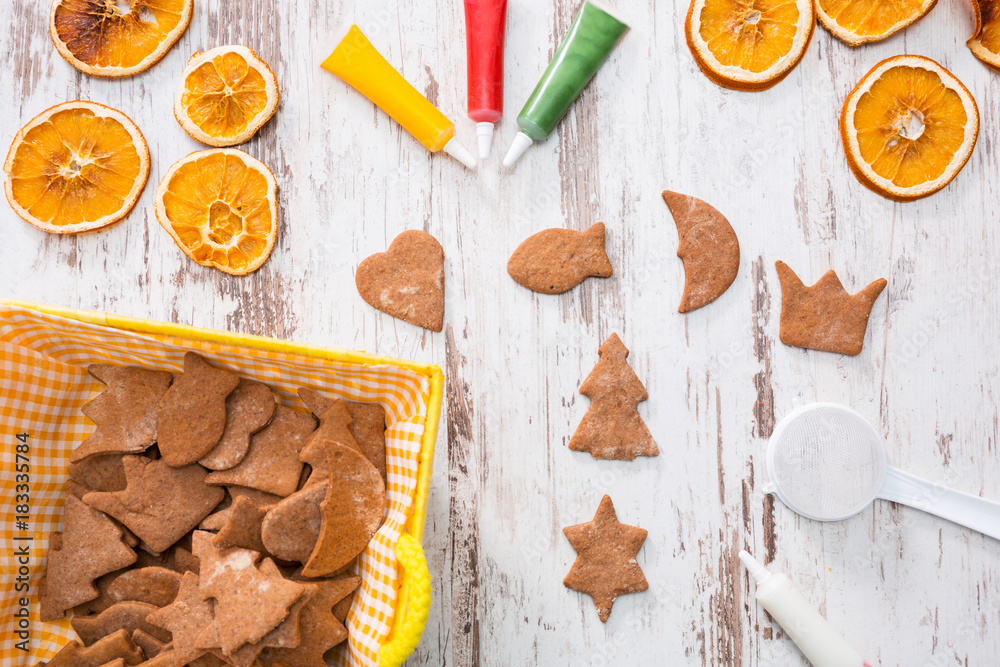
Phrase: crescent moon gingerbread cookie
x=708 y=247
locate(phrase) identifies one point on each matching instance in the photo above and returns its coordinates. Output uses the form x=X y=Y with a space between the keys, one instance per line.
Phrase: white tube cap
x=756 y=570
x=521 y=143
x=460 y=153
x=485 y=133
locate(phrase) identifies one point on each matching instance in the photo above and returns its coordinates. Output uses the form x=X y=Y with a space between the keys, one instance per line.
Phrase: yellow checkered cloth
x=43 y=385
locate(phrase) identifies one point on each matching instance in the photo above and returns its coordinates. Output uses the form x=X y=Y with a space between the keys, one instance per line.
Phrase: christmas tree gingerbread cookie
x=612 y=427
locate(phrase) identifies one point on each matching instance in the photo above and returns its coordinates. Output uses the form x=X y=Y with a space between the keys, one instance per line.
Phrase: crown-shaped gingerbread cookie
x=825 y=317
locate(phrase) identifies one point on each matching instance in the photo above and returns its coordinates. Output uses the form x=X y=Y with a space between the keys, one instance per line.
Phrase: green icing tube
x=588 y=44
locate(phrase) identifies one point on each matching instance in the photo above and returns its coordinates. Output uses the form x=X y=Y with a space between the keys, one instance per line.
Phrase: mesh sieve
x=826 y=462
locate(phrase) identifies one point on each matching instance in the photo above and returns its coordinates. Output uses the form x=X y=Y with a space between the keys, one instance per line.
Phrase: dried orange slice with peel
x=220 y=207
x=226 y=95
x=908 y=127
x=75 y=167
x=749 y=44
x=985 y=43
x=115 y=38
x=860 y=21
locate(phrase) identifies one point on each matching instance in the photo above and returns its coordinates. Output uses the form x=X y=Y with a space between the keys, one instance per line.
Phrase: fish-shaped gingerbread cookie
x=557 y=260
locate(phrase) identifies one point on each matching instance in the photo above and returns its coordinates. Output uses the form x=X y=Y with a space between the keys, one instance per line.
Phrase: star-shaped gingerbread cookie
x=186 y=618
x=605 y=565
x=320 y=629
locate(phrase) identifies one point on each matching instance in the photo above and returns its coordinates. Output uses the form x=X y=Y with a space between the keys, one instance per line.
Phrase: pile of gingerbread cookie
x=206 y=524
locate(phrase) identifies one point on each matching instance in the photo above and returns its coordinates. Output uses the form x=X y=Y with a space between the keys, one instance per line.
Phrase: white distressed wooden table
x=906 y=588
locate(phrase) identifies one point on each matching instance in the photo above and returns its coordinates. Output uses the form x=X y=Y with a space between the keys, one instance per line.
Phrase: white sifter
x=827 y=463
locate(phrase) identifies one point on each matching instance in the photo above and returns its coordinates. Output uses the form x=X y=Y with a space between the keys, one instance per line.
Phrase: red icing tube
x=485 y=25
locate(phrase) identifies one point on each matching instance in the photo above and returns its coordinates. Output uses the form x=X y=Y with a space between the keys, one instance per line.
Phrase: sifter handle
x=962 y=508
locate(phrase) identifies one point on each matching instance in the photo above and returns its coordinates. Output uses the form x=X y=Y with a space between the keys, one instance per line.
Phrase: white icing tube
x=816 y=638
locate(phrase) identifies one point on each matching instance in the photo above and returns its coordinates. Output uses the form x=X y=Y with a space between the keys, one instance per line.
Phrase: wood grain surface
x=905 y=587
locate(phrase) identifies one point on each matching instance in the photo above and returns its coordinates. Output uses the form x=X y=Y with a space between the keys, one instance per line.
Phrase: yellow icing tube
x=363 y=68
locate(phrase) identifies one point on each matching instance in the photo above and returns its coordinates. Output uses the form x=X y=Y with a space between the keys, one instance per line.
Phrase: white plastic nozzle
x=756 y=570
x=485 y=133
x=521 y=143
x=460 y=153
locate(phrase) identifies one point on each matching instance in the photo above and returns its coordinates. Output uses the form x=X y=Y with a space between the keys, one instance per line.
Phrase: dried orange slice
x=220 y=207
x=908 y=127
x=75 y=167
x=749 y=44
x=226 y=95
x=116 y=38
x=860 y=21
x=985 y=43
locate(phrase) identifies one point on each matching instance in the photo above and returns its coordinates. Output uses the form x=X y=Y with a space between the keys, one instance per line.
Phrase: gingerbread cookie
x=168 y=658
x=285 y=635
x=352 y=511
x=333 y=426
x=367 y=425
x=153 y=585
x=825 y=317
x=185 y=618
x=102 y=601
x=116 y=646
x=128 y=616
x=160 y=504
x=406 y=281
x=89 y=547
x=319 y=629
x=101 y=472
x=180 y=559
x=708 y=247
x=248 y=409
x=557 y=260
x=157 y=586
x=605 y=565
x=146 y=559
x=192 y=414
x=257 y=497
x=232 y=578
x=612 y=427
x=125 y=412
x=273 y=463
x=242 y=527
x=74 y=488
x=291 y=528
x=343 y=608
x=214 y=522
x=217 y=519
x=150 y=645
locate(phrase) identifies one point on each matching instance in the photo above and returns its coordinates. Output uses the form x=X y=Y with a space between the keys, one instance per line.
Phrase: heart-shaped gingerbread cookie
x=407 y=280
